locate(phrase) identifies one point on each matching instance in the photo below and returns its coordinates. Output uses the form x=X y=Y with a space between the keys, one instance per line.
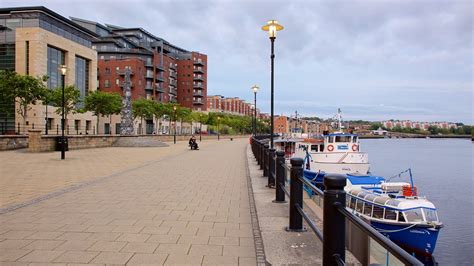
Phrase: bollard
x=265 y=160
x=271 y=168
x=280 y=177
x=334 y=220
x=261 y=155
x=296 y=196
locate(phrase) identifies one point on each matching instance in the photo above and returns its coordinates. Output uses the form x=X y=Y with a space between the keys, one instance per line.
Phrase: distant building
x=161 y=71
x=380 y=132
x=233 y=105
x=417 y=125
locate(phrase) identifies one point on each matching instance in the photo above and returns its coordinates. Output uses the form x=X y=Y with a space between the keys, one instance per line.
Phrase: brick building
x=161 y=71
x=233 y=105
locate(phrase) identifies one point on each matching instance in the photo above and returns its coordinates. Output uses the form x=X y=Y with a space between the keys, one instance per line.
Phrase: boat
x=397 y=211
x=393 y=208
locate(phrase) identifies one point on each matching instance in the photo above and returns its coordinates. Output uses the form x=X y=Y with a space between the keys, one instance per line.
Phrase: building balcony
x=199 y=62
x=149 y=63
x=198 y=94
x=173 y=83
x=160 y=68
x=174 y=75
x=159 y=88
x=159 y=78
x=172 y=66
x=149 y=87
x=198 y=86
x=198 y=78
x=198 y=102
x=199 y=70
x=149 y=75
x=173 y=91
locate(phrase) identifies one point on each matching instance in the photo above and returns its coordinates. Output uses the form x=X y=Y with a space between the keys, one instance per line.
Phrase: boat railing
x=363 y=241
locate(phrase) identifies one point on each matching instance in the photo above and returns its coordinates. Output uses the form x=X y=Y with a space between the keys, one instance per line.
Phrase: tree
x=24 y=90
x=7 y=96
x=103 y=103
x=71 y=99
x=158 y=112
x=143 y=109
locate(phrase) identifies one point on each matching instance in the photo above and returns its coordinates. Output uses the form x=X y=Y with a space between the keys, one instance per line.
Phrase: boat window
x=314 y=148
x=359 y=205
x=331 y=139
x=354 y=139
x=378 y=212
x=343 y=138
x=348 y=201
x=368 y=209
x=321 y=147
x=390 y=214
x=414 y=215
x=353 y=203
x=401 y=218
x=430 y=215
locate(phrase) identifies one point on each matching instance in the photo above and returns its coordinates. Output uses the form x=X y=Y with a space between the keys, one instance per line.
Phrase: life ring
x=355 y=147
x=330 y=148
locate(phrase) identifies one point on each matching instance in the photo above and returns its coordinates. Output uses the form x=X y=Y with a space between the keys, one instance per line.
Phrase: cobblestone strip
x=77 y=186
x=257 y=234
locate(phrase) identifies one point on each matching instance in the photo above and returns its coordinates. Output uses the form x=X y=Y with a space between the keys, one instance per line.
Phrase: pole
x=334 y=221
x=63 y=152
x=218 y=137
x=255 y=114
x=200 y=131
x=174 y=135
x=46 y=121
x=272 y=56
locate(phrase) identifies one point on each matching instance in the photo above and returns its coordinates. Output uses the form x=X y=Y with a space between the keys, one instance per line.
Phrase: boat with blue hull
x=392 y=208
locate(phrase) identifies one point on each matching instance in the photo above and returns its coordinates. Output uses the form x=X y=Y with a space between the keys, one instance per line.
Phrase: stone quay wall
x=36 y=142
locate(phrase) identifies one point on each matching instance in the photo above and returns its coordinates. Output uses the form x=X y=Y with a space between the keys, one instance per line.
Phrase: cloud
x=338 y=52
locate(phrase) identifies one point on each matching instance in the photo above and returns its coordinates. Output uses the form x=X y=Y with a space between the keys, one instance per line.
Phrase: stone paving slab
x=186 y=207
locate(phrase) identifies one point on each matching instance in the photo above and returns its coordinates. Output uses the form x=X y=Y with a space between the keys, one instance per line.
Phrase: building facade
x=37 y=41
x=161 y=71
x=230 y=105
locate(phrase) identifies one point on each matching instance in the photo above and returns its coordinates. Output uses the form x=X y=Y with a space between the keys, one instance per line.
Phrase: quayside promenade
x=166 y=205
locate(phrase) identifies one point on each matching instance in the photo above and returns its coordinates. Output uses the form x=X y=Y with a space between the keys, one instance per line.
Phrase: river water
x=442 y=171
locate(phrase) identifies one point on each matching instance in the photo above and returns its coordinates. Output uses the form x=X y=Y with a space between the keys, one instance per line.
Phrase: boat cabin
x=334 y=142
x=374 y=206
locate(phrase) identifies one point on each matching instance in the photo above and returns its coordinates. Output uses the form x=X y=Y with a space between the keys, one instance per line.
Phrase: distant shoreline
x=417 y=136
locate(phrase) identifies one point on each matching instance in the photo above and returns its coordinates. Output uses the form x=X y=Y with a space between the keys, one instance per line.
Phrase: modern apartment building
x=160 y=70
x=233 y=105
x=37 y=41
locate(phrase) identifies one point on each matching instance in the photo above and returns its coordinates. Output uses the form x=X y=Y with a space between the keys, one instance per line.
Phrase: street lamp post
x=200 y=127
x=272 y=27
x=218 y=120
x=63 y=121
x=174 y=115
x=255 y=89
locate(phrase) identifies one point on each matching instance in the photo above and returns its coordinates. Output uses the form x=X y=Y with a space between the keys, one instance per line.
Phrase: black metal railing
x=336 y=216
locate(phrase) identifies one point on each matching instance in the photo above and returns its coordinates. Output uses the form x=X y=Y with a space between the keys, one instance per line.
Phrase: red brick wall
x=138 y=78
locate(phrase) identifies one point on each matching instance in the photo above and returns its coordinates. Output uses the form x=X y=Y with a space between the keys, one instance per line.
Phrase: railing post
x=334 y=221
x=280 y=177
x=296 y=195
x=260 y=154
x=265 y=159
x=271 y=168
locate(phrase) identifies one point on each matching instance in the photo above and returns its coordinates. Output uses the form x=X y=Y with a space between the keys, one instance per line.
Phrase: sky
x=374 y=59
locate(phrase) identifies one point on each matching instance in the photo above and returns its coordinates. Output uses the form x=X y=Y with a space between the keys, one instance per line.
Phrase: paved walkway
x=188 y=207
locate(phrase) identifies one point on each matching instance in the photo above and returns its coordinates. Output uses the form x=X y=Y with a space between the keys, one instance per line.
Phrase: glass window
x=401 y=218
x=343 y=138
x=414 y=215
x=368 y=209
x=314 y=148
x=390 y=214
x=55 y=60
x=430 y=215
x=378 y=212
x=331 y=139
x=107 y=83
x=359 y=205
x=82 y=77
